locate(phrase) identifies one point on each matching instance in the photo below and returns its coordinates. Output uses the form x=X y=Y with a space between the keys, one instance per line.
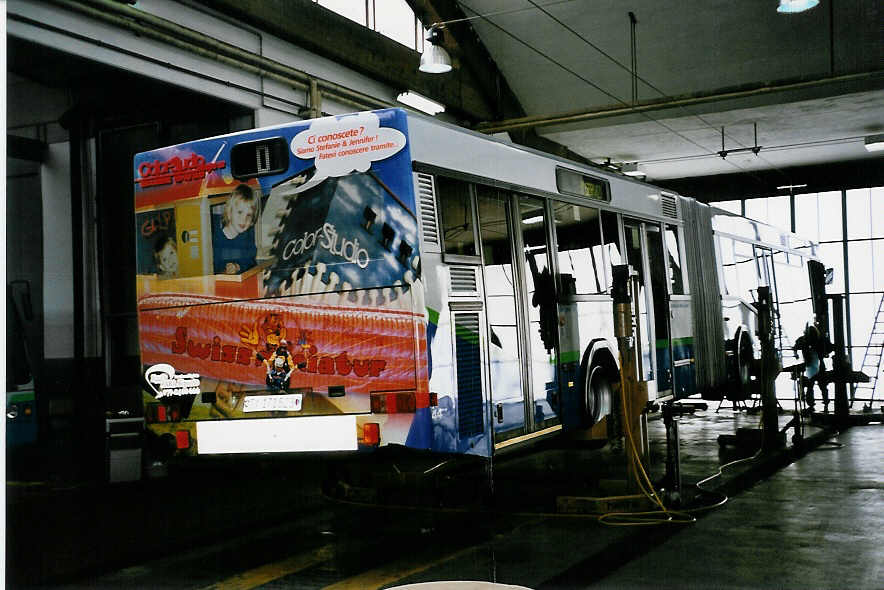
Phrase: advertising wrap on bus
x=382 y=278
x=279 y=276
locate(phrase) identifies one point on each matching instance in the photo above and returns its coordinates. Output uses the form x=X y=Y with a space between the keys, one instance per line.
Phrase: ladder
x=872 y=358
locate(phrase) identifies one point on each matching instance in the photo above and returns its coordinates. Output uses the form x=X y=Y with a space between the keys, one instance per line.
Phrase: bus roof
x=442 y=146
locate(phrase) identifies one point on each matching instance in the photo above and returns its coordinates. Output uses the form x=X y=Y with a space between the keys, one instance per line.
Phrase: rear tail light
x=182 y=439
x=162 y=413
x=371 y=434
x=400 y=402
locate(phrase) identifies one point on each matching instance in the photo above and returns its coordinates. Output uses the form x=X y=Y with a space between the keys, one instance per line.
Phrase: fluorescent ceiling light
x=875 y=143
x=533 y=220
x=785 y=186
x=421 y=103
x=793 y=6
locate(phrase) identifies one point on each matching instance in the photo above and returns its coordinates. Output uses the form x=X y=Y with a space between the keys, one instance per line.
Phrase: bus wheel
x=741 y=364
x=597 y=399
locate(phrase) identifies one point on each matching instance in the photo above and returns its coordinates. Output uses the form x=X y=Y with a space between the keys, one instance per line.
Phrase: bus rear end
x=280 y=300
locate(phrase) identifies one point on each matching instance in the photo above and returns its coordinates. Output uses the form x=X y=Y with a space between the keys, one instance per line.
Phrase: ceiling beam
x=474 y=90
x=861 y=81
x=865 y=173
x=319 y=30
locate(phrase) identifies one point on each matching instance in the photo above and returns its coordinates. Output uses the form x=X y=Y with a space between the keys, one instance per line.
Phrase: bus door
x=521 y=310
x=541 y=313
x=506 y=341
x=645 y=253
x=681 y=329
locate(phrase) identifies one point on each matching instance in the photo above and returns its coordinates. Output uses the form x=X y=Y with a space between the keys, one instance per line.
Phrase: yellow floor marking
x=273 y=571
x=393 y=571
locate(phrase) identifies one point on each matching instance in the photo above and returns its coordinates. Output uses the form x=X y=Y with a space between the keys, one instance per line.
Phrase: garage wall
x=273 y=102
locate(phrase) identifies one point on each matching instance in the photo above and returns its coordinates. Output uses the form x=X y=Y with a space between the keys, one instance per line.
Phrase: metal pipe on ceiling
x=589 y=115
x=159 y=29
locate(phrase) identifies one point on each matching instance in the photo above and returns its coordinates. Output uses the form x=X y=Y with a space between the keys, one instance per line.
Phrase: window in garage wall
x=857 y=254
x=391 y=18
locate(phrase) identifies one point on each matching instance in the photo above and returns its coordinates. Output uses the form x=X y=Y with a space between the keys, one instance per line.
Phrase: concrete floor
x=818 y=523
x=793 y=520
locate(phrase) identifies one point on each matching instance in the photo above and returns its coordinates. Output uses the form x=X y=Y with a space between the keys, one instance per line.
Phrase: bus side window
x=579 y=240
x=611 y=244
x=747 y=271
x=676 y=280
x=456 y=211
x=731 y=284
x=793 y=288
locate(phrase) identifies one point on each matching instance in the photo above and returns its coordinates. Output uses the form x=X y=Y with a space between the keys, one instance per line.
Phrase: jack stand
x=795 y=372
x=633 y=393
x=772 y=438
x=840 y=364
x=841 y=374
x=672 y=480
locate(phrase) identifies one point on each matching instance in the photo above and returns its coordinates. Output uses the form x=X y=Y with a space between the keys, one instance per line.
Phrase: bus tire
x=740 y=369
x=598 y=392
x=598 y=380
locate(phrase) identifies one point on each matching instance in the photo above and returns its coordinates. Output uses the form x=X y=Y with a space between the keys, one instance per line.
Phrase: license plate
x=273 y=403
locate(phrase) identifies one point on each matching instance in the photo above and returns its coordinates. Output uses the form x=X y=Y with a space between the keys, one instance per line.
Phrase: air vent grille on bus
x=469 y=377
x=427 y=196
x=668 y=205
x=463 y=279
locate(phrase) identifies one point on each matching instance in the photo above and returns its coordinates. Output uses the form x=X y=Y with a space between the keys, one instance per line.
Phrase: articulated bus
x=382 y=278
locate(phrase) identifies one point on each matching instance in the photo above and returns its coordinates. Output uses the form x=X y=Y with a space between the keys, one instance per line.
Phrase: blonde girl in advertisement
x=233 y=240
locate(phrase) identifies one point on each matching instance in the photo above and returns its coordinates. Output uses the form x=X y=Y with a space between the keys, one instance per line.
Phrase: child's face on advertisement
x=241 y=216
x=167 y=259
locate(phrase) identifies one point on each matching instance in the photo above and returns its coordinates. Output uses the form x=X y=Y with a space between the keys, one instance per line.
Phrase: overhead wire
x=773 y=148
x=634 y=73
x=593 y=84
x=497 y=13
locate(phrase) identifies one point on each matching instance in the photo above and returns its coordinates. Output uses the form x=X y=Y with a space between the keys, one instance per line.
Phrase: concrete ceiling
x=812 y=84
x=558 y=76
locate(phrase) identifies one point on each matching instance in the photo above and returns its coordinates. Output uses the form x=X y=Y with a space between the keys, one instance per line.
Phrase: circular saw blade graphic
x=348 y=234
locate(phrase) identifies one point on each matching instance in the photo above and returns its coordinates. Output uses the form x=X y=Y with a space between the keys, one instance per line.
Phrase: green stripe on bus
x=17 y=397
x=434 y=316
x=569 y=357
